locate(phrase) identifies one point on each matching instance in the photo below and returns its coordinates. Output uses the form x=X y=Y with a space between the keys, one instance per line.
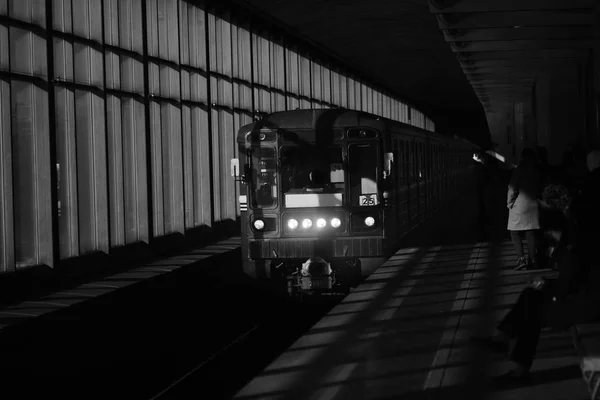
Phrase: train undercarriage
x=310 y=278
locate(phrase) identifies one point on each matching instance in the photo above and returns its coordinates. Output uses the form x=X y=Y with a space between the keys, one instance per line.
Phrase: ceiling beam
x=480 y=20
x=495 y=90
x=511 y=72
x=458 y=6
x=533 y=64
x=501 y=78
x=524 y=33
x=515 y=45
x=523 y=54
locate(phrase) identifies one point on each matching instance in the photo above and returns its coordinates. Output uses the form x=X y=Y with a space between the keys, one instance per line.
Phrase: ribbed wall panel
x=133 y=152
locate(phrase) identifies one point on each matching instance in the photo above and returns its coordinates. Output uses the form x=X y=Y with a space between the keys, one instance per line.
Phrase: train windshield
x=264 y=178
x=312 y=176
x=362 y=168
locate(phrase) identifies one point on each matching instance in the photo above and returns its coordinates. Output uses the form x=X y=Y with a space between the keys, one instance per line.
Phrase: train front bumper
x=328 y=248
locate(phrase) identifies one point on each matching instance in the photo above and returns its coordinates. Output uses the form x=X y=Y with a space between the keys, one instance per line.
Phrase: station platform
x=404 y=332
x=14 y=315
x=125 y=335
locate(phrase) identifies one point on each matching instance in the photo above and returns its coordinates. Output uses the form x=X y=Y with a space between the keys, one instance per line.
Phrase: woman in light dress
x=522 y=201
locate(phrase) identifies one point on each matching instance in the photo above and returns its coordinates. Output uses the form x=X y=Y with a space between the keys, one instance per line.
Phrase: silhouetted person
x=572 y=298
x=523 y=216
x=564 y=174
x=316 y=178
x=587 y=209
x=544 y=166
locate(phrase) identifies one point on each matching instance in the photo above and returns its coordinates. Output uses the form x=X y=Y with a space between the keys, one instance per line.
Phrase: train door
x=413 y=195
x=428 y=184
x=444 y=175
x=401 y=188
x=422 y=189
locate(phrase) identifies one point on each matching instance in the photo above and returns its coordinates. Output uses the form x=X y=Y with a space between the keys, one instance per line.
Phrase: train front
x=312 y=205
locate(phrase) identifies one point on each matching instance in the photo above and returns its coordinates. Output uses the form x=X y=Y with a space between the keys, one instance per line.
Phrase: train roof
x=327 y=119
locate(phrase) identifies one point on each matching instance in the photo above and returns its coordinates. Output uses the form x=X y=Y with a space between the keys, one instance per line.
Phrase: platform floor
x=403 y=333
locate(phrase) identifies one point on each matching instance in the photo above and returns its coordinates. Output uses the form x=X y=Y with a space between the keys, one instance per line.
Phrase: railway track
x=228 y=369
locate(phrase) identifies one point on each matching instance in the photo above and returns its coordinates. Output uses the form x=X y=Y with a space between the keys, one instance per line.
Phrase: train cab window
x=264 y=178
x=363 y=164
x=312 y=169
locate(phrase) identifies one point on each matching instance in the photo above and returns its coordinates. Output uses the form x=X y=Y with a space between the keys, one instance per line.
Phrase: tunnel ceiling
x=447 y=57
x=503 y=46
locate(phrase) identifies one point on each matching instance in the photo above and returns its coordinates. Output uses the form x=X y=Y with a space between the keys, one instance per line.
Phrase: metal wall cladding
x=277 y=62
x=125 y=122
x=26 y=215
x=354 y=94
x=326 y=85
x=195 y=116
x=223 y=133
x=261 y=58
x=7 y=256
x=293 y=78
x=317 y=86
x=80 y=128
x=164 y=87
x=242 y=87
x=119 y=120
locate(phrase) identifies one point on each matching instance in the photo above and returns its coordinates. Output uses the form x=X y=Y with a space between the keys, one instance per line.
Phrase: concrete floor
x=403 y=333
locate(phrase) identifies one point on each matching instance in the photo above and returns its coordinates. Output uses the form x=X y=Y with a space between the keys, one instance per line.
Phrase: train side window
x=264 y=178
x=409 y=160
x=438 y=160
x=423 y=161
x=429 y=161
x=363 y=164
x=418 y=172
x=400 y=163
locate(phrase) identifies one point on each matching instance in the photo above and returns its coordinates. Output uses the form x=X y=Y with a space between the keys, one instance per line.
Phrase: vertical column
x=261 y=57
x=292 y=78
x=125 y=122
x=24 y=108
x=195 y=116
x=317 y=87
x=277 y=74
x=222 y=127
x=326 y=95
x=7 y=244
x=305 y=75
x=165 y=116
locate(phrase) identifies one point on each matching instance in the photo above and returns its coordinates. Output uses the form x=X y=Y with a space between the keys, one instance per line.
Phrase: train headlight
x=259 y=224
x=292 y=223
x=321 y=223
x=306 y=223
x=369 y=221
x=335 y=222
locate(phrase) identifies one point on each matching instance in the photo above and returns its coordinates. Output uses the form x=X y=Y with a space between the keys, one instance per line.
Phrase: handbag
x=590 y=367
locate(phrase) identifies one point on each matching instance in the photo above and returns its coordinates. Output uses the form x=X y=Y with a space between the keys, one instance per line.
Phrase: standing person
x=571 y=298
x=523 y=216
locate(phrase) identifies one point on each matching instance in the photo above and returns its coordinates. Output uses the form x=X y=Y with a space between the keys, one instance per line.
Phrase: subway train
x=325 y=196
